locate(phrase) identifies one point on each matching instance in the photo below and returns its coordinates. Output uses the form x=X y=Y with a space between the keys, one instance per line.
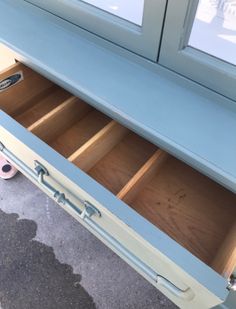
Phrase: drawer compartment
x=190 y=208
x=116 y=168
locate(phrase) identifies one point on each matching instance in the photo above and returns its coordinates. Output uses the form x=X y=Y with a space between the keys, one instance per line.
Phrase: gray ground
x=48 y=260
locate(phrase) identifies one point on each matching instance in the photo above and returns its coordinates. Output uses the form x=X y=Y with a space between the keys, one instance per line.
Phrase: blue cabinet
x=142 y=157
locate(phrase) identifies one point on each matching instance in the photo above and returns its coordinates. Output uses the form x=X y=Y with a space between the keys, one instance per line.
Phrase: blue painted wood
x=143 y=40
x=193 y=63
x=187 y=120
x=170 y=248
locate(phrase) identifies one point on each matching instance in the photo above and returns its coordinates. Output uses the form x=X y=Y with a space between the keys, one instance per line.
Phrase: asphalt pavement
x=49 y=261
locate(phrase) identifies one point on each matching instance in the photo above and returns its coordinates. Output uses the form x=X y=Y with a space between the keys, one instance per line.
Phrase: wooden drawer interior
x=191 y=208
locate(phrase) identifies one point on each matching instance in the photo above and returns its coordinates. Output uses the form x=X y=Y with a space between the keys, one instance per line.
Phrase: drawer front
x=152 y=253
x=82 y=138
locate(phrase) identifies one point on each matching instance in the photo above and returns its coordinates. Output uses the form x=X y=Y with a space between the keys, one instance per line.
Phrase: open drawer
x=172 y=224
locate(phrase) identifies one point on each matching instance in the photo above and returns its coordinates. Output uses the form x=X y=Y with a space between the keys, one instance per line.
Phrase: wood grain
x=46 y=104
x=51 y=125
x=78 y=134
x=189 y=207
x=143 y=176
x=98 y=146
x=225 y=259
x=195 y=211
x=116 y=168
x=18 y=97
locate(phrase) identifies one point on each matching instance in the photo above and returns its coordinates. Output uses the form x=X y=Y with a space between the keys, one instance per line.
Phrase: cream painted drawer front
x=162 y=217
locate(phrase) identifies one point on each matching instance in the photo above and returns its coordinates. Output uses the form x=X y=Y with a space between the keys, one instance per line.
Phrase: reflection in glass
x=131 y=10
x=214 y=29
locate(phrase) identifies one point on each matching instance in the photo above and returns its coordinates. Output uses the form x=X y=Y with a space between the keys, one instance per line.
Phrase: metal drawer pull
x=89 y=211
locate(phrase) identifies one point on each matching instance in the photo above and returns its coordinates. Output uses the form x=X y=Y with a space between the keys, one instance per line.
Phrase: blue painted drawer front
x=144 y=241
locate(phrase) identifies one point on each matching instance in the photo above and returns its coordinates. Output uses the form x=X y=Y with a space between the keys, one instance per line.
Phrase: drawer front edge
x=28 y=148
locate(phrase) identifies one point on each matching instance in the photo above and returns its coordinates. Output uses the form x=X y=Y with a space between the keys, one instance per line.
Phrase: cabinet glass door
x=131 y=10
x=133 y=24
x=214 y=29
x=199 y=42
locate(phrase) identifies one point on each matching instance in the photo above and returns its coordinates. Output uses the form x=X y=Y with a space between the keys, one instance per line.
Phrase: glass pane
x=214 y=29
x=131 y=10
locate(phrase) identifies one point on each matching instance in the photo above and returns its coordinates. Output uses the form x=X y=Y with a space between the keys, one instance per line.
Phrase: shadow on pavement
x=30 y=275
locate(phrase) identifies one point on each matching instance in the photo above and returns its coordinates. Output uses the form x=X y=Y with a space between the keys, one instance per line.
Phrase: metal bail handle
x=88 y=211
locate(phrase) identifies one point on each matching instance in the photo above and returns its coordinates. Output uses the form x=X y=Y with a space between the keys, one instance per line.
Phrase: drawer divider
x=41 y=105
x=143 y=176
x=98 y=146
x=51 y=125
